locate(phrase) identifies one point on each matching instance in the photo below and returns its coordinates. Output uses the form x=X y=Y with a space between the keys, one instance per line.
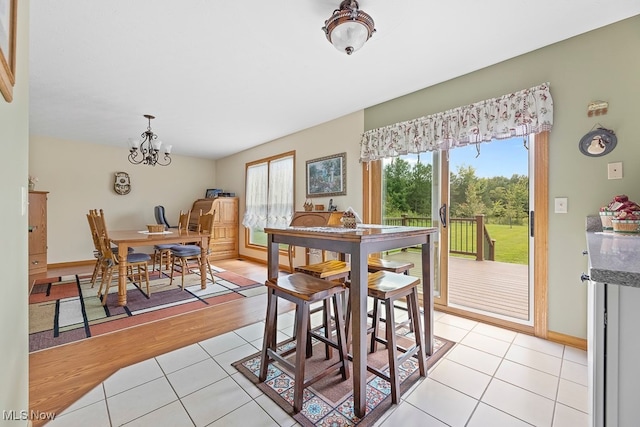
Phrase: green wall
x=603 y=64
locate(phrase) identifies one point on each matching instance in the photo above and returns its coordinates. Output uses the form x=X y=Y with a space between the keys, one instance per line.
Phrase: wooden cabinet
x=37 y=232
x=224 y=237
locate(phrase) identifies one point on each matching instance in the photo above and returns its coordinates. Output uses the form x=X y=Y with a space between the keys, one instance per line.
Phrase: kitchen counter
x=614 y=258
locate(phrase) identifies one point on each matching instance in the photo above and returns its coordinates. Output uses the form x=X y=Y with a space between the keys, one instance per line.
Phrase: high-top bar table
x=131 y=238
x=359 y=243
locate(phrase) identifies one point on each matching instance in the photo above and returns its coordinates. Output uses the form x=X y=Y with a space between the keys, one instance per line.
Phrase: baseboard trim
x=72 y=264
x=261 y=261
x=571 y=341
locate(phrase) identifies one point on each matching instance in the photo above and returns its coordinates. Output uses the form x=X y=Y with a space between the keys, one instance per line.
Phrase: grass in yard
x=512 y=242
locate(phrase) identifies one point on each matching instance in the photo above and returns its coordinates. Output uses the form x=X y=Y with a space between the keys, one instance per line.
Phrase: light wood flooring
x=61 y=375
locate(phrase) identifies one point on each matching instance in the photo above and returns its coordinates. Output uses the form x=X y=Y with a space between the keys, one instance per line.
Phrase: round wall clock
x=598 y=142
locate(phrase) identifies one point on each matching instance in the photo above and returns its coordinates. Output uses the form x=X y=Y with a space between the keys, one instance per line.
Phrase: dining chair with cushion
x=109 y=262
x=185 y=253
x=163 y=251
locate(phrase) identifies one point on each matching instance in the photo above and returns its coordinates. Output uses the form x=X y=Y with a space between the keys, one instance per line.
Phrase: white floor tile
x=96 y=412
x=215 y=401
x=473 y=358
x=181 y=358
x=459 y=322
x=195 y=377
x=409 y=415
x=247 y=385
x=139 y=401
x=222 y=343
x=280 y=336
x=437 y=315
x=528 y=378
x=227 y=358
x=573 y=395
x=575 y=355
x=569 y=417
x=275 y=411
x=534 y=359
x=485 y=416
x=250 y=414
x=538 y=344
x=132 y=376
x=487 y=344
x=575 y=372
x=251 y=332
x=449 y=332
x=171 y=415
x=461 y=378
x=495 y=332
x=442 y=402
x=93 y=396
x=520 y=403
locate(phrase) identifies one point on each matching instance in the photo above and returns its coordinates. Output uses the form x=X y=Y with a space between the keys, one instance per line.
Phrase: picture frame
x=8 y=22
x=212 y=193
x=327 y=176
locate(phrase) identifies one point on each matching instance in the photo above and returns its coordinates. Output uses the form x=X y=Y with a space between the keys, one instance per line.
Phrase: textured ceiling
x=224 y=76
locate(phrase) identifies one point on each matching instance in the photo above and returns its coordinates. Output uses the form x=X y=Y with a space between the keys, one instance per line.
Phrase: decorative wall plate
x=122 y=184
x=598 y=142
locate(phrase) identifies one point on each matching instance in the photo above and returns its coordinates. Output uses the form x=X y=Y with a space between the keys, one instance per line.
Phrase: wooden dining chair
x=185 y=253
x=109 y=262
x=163 y=251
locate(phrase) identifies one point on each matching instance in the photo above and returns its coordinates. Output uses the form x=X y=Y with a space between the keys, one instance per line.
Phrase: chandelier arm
x=146 y=153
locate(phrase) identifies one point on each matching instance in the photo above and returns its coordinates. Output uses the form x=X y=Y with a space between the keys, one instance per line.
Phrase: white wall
x=14 y=314
x=80 y=176
x=337 y=136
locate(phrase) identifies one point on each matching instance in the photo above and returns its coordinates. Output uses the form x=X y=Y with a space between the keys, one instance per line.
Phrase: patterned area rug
x=329 y=402
x=66 y=309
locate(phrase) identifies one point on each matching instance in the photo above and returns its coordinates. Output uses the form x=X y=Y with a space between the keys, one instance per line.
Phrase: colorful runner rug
x=66 y=309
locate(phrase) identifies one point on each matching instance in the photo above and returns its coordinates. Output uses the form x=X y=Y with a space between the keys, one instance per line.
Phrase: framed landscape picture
x=327 y=176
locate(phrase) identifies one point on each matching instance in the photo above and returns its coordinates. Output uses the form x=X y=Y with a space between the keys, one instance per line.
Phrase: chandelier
x=147 y=151
x=349 y=27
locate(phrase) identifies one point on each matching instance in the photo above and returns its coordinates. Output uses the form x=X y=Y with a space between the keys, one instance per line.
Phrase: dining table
x=124 y=239
x=358 y=243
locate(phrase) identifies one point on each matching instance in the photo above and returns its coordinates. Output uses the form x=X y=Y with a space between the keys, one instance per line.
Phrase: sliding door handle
x=443 y=215
x=531 y=221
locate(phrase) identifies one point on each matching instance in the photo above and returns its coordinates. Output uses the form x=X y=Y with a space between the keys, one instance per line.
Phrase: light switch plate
x=614 y=170
x=561 y=205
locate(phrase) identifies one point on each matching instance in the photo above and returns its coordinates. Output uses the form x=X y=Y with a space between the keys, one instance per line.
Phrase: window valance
x=516 y=114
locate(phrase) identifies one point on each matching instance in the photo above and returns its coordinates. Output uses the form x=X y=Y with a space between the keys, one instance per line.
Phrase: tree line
x=408 y=191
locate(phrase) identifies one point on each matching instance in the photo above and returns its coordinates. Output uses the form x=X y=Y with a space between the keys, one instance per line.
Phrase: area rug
x=329 y=402
x=67 y=308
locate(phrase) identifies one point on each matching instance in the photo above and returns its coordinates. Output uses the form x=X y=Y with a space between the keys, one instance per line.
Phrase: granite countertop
x=614 y=258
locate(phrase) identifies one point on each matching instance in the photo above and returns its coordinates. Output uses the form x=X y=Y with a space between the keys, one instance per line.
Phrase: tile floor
x=492 y=377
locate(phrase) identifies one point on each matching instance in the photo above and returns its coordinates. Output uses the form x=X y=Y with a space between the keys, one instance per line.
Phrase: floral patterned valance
x=516 y=114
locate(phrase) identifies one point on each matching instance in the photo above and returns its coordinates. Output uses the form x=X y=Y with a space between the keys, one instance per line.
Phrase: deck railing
x=464 y=238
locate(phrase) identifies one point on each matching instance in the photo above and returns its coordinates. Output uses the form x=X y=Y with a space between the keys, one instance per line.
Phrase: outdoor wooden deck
x=491 y=286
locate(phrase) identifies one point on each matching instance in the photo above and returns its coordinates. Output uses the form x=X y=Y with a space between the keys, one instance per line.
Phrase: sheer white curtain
x=280 y=192
x=269 y=194
x=255 y=215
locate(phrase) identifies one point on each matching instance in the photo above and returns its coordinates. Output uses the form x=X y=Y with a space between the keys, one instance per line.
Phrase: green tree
x=397 y=178
x=419 y=194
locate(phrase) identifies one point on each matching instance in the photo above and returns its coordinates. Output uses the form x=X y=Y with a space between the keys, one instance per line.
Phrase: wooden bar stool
x=387 y=287
x=328 y=270
x=303 y=290
x=378 y=264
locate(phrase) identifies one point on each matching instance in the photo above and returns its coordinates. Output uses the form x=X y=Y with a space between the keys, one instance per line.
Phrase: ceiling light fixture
x=348 y=28
x=147 y=152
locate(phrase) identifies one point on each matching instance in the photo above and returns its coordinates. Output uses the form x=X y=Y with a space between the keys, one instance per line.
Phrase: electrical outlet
x=561 y=205
x=614 y=170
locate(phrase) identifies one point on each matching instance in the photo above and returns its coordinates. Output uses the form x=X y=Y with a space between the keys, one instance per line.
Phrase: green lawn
x=512 y=242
